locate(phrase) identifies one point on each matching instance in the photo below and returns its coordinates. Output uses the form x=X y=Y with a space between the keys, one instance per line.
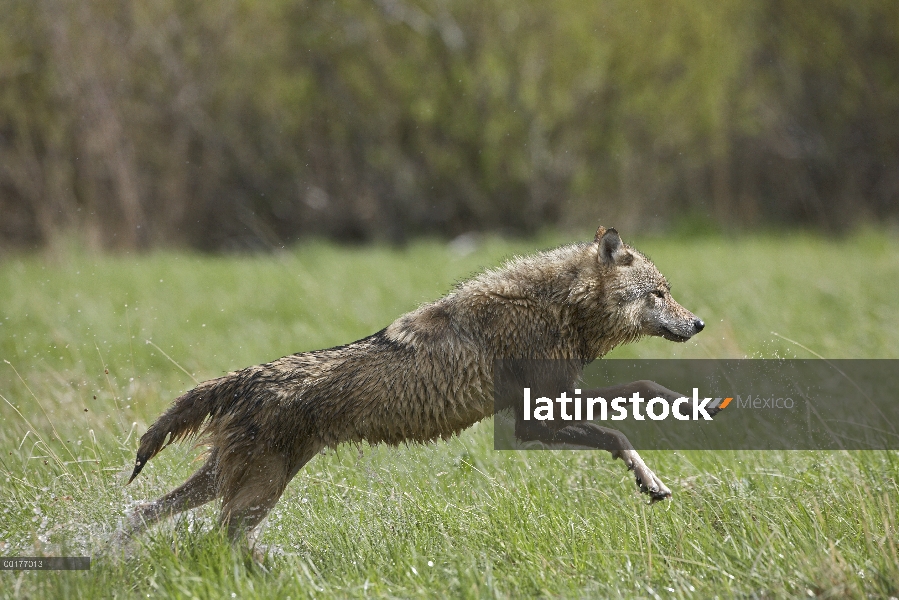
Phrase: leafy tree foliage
x=248 y=123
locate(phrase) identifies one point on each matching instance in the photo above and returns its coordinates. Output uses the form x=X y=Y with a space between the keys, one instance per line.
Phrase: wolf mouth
x=674 y=337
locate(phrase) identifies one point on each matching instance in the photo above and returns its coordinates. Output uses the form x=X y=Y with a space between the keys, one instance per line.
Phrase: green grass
x=454 y=518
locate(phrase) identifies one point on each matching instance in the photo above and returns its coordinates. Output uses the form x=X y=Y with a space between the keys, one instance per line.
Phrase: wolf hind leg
x=199 y=489
x=252 y=488
x=251 y=494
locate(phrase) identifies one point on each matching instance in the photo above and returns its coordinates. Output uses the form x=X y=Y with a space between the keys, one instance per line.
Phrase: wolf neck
x=532 y=307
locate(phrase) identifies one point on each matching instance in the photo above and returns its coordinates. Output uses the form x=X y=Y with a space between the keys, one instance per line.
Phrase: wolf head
x=578 y=300
x=636 y=294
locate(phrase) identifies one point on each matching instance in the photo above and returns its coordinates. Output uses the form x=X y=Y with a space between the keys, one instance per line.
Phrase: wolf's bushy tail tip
x=184 y=419
x=151 y=443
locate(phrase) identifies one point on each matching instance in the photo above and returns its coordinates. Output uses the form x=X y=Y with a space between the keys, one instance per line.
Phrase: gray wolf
x=428 y=375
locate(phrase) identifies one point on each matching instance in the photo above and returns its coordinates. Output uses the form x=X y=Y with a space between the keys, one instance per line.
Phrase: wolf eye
x=658 y=293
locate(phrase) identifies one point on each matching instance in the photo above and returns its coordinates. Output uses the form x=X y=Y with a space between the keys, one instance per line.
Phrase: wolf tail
x=183 y=419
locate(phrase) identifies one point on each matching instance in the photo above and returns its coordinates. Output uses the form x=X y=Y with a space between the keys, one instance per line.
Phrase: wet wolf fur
x=428 y=375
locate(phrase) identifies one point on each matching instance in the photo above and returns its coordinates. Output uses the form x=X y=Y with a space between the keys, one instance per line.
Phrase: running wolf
x=428 y=375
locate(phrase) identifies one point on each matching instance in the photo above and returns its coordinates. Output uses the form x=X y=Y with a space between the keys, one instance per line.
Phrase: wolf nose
x=698 y=325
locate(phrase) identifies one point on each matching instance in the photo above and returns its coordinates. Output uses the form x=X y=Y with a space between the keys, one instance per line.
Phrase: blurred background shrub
x=251 y=123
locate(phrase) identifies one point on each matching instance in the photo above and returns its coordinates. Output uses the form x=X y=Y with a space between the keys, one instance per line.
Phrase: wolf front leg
x=648 y=482
x=615 y=442
x=591 y=435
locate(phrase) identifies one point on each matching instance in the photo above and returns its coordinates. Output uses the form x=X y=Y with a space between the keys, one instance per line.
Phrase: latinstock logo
x=577 y=408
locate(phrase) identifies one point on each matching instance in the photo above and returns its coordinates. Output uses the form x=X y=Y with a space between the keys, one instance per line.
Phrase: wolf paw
x=646 y=479
x=656 y=489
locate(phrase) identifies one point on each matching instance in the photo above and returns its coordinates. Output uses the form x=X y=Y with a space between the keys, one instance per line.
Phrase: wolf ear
x=611 y=250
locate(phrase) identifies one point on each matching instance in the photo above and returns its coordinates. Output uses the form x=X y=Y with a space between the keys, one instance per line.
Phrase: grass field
x=97 y=346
